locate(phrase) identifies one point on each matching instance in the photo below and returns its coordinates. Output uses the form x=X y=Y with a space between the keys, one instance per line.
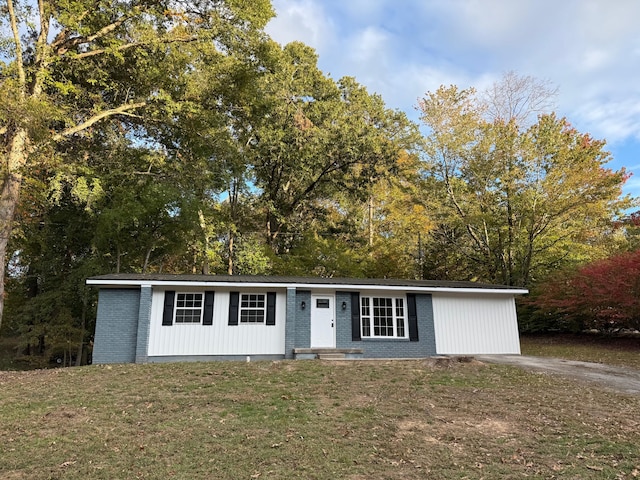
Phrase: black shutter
x=271 y=308
x=207 y=318
x=234 y=299
x=355 y=317
x=413 y=317
x=167 y=314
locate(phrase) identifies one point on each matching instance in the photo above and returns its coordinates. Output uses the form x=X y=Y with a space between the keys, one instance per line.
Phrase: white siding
x=475 y=324
x=219 y=338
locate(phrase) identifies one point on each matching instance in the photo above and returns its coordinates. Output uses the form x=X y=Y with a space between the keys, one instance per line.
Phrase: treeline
x=178 y=138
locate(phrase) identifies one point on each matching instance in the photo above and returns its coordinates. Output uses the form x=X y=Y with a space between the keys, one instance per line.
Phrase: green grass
x=312 y=419
x=613 y=350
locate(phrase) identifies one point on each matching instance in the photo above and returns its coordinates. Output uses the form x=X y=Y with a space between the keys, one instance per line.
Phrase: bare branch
x=63 y=36
x=519 y=98
x=127 y=46
x=121 y=110
x=68 y=43
x=100 y=51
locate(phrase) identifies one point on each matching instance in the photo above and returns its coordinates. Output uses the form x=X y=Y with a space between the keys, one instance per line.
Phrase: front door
x=323 y=321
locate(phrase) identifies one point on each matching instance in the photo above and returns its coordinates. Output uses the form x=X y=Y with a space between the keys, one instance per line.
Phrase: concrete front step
x=331 y=356
x=326 y=353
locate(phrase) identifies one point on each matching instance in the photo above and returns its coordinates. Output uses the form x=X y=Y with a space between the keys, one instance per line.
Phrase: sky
x=401 y=49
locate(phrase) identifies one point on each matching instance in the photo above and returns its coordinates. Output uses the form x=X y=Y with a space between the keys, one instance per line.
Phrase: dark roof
x=383 y=282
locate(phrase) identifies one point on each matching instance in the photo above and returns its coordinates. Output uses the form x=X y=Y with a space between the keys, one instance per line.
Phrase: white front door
x=323 y=321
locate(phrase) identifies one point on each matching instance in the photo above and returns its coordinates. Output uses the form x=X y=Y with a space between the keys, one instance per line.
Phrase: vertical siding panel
x=475 y=324
x=219 y=338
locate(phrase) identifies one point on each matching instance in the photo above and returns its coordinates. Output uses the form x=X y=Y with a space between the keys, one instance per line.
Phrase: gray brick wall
x=426 y=326
x=116 y=334
x=303 y=319
x=144 y=321
x=290 y=327
x=380 y=348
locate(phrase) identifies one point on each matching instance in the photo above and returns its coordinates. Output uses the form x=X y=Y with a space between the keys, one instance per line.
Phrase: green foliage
x=513 y=204
x=317 y=140
x=87 y=77
x=322 y=256
x=251 y=257
x=51 y=310
x=157 y=136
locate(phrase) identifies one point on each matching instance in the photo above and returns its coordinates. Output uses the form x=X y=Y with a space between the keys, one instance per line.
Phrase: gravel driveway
x=620 y=379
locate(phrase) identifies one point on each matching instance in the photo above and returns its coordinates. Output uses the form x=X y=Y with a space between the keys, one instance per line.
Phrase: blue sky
x=401 y=49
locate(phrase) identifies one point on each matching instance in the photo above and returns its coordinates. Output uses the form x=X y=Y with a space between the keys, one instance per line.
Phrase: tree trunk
x=230 y=261
x=146 y=259
x=16 y=159
x=370 y=206
x=420 y=258
x=83 y=323
x=205 y=236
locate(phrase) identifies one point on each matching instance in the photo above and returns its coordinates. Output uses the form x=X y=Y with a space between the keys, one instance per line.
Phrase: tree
x=398 y=222
x=53 y=310
x=140 y=224
x=512 y=204
x=74 y=66
x=313 y=138
x=519 y=99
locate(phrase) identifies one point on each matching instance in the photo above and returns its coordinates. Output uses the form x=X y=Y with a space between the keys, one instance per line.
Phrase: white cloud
x=590 y=49
x=302 y=20
x=368 y=45
x=616 y=120
x=364 y=10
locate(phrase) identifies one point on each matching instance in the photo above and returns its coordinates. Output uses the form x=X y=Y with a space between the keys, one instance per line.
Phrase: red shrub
x=604 y=295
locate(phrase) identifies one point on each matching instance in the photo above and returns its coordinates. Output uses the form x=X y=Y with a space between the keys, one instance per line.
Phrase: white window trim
x=264 y=309
x=395 y=318
x=176 y=308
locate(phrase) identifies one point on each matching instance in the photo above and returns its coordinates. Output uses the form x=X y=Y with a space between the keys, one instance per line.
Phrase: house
x=163 y=318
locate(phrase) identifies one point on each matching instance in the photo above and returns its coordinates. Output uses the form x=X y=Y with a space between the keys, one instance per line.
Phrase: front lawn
x=312 y=420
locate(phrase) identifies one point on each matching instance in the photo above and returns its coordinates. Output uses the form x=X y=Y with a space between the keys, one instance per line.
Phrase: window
x=188 y=307
x=323 y=303
x=383 y=317
x=252 y=308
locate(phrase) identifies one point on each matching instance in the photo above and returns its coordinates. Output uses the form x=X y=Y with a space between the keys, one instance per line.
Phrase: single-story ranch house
x=163 y=318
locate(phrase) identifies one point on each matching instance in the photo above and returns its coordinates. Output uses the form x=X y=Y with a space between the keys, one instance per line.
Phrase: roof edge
x=137 y=280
